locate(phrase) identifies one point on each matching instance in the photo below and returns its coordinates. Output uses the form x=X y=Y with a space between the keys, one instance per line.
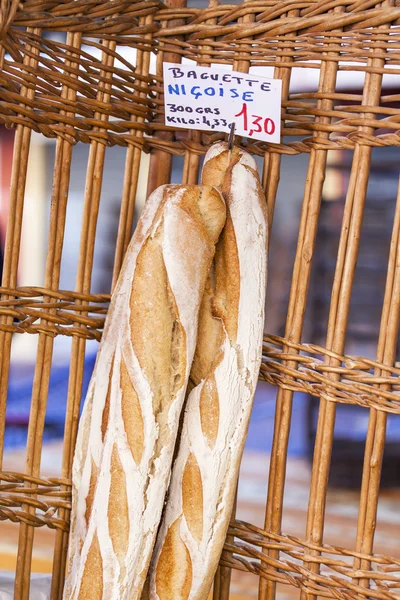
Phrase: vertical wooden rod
x=161 y=161
x=376 y=435
x=339 y=311
x=295 y=318
x=132 y=166
x=93 y=186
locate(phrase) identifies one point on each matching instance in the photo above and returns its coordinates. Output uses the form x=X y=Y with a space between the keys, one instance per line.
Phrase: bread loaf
x=222 y=383
x=131 y=415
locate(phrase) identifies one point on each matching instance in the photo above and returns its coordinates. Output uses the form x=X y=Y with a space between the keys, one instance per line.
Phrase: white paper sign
x=211 y=99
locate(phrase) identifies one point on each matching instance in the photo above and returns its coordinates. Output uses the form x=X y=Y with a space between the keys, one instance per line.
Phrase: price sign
x=211 y=99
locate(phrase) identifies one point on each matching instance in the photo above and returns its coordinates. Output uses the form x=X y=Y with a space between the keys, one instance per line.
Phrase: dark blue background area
x=19 y=401
x=261 y=426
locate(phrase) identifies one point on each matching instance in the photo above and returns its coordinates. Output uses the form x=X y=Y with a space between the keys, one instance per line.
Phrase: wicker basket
x=67 y=91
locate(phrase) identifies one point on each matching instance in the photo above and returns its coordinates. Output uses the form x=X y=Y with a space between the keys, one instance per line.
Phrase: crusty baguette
x=131 y=415
x=223 y=380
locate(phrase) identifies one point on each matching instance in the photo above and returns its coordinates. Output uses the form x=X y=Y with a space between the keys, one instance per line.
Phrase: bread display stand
x=90 y=75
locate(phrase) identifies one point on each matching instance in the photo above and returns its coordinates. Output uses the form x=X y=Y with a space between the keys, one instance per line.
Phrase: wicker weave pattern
x=47 y=497
x=274 y=35
x=245 y=555
x=83 y=89
x=357 y=384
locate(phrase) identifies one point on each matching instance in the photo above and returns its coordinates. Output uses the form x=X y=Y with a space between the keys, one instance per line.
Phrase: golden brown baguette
x=131 y=415
x=223 y=380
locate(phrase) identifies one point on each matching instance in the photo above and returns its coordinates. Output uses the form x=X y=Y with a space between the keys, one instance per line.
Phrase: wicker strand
x=339 y=312
x=294 y=323
x=63 y=172
x=375 y=442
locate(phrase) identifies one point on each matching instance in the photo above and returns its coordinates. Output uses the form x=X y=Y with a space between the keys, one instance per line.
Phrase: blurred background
x=366 y=306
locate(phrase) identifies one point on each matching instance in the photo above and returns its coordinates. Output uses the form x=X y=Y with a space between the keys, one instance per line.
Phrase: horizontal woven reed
x=244 y=555
x=79 y=88
x=30 y=308
x=38 y=310
x=336 y=577
x=274 y=36
x=46 y=496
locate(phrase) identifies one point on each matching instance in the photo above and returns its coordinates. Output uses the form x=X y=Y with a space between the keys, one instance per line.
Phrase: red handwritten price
x=258 y=124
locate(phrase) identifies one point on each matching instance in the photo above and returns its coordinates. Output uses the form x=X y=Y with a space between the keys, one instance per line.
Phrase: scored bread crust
x=222 y=382
x=130 y=419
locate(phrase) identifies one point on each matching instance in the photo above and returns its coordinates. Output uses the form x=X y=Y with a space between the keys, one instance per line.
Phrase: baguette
x=223 y=379
x=130 y=419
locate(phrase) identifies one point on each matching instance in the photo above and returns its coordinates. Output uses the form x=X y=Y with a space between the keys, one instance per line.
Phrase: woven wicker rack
x=67 y=91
